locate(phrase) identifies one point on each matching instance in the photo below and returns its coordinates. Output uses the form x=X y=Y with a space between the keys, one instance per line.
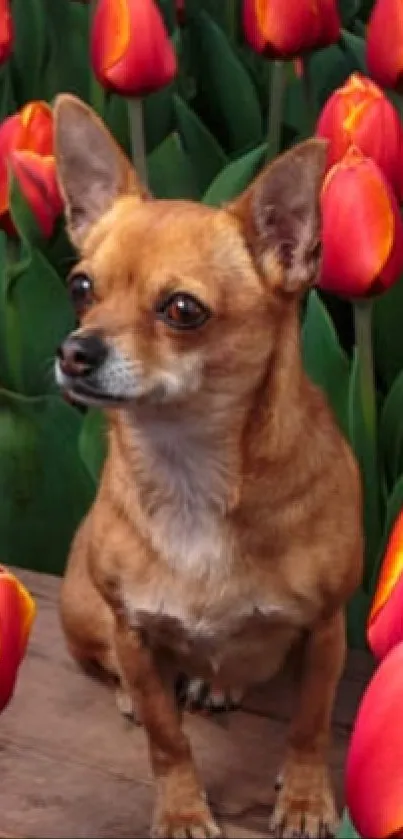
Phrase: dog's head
x=177 y=300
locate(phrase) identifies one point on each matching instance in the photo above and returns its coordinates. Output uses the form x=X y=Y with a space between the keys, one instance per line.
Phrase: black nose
x=81 y=355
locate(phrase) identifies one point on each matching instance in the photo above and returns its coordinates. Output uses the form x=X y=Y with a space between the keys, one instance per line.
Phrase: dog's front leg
x=305 y=805
x=181 y=809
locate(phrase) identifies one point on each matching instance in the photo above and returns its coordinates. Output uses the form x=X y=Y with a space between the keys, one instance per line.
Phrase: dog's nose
x=80 y=355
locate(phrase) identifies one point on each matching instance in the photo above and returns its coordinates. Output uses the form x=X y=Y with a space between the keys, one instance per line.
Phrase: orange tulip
x=384 y=43
x=6 y=31
x=130 y=49
x=362 y=230
x=360 y=114
x=17 y=612
x=26 y=146
x=385 y=623
x=282 y=29
x=374 y=769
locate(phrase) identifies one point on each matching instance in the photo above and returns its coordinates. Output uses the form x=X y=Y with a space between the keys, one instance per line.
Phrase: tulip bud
x=6 y=31
x=360 y=114
x=362 y=230
x=36 y=176
x=375 y=756
x=130 y=49
x=282 y=29
x=26 y=145
x=385 y=622
x=17 y=612
x=384 y=43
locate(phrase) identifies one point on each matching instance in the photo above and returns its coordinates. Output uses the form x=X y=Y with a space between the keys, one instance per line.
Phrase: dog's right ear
x=92 y=170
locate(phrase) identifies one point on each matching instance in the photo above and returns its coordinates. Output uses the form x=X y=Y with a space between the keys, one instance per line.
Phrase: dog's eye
x=182 y=311
x=81 y=291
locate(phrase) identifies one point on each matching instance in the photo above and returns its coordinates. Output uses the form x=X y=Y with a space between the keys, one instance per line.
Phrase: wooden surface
x=72 y=767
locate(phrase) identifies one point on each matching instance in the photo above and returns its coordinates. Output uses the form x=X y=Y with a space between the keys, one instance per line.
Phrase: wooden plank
x=72 y=767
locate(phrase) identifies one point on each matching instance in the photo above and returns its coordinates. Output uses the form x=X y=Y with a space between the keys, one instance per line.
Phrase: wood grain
x=70 y=766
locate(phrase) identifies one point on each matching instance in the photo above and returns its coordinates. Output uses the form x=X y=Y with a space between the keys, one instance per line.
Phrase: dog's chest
x=200 y=603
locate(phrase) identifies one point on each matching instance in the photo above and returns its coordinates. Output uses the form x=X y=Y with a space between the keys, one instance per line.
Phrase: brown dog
x=227 y=524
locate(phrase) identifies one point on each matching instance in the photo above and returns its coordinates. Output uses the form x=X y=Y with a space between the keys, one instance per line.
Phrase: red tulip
x=385 y=623
x=384 y=43
x=282 y=29
x=360 y=114
x=36 y=176
x=6 y=31
x=374 y=770
x=362 y=230
x=26 y=146
x=130 y=49
x=17 y=612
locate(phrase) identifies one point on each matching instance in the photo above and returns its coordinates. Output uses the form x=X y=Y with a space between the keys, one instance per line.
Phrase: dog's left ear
x=280 y=215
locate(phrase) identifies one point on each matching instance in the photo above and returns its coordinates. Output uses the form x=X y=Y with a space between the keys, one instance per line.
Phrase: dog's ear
x=92 y=170
x=280 y=214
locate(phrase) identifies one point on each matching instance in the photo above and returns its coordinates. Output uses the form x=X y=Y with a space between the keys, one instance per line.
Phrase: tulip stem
x=309 y=95
x=277 y=91
x=368 y=404
x=136 y=122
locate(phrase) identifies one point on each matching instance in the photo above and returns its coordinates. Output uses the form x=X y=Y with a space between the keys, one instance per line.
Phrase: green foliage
x=206 y=139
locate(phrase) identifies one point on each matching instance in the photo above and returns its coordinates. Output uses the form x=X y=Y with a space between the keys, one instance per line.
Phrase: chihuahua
x=227 y=524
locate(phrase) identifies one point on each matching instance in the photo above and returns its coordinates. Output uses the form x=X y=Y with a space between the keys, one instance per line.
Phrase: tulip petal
x=361 y=228
x=385 y=622
x=17 y=612
x=287 y=30
x=37 y=122
x=36 y=176
x=385 y=42
x=134 y=58
x=374 y=770
x=360 y=114
x=6 y=31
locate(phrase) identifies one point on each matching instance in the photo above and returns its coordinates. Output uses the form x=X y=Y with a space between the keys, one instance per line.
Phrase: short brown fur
x=227 y=524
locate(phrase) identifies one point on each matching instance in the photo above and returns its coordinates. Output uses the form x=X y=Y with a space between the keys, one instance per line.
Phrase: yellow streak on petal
x=28 y=606
x=117 y=36
x=392 y=568
x=352 y=118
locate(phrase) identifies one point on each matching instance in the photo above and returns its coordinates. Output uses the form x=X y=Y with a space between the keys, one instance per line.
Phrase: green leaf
x=235 y=177
x=22 y=215
x=391 y=431
x=348 y=9
x=67 y=66
x=93 y=442
x=43 y=316
x=388 y=333
x=5 y=377
x=158 y=116
x=324 y=359
x=354 y=48
x=28 y=57
x=205 y=153
x=44 y=486
x=228 y=94
x=363 y=447
x=170 y=171
x=115 y=115
x=347 y=829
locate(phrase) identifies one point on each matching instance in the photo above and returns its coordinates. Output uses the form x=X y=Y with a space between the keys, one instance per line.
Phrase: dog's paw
x=305 y=806
x=197 y=695
x=196 y=823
